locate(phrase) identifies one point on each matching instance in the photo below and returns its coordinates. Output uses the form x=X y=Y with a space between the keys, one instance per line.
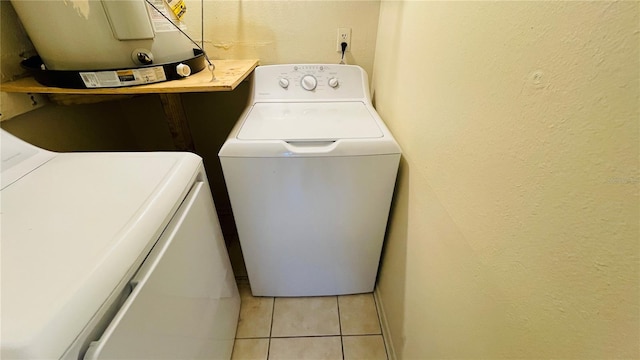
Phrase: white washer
x=112 y=256
x=310 y=168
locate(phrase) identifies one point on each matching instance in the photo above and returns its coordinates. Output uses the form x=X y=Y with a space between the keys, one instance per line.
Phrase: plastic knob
x=309 y=82
x=333 y=82
x=284 y=83
x=183 y=70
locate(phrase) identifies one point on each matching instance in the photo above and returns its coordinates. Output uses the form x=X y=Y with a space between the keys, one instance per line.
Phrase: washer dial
x=309 y=82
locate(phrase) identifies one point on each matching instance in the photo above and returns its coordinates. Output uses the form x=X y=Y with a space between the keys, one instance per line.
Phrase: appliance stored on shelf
x=108 y=43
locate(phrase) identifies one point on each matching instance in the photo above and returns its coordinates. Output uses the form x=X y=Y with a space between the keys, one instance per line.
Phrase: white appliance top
x=309 y=110
x=71 y=229
x=19 y=158
x=302 y=121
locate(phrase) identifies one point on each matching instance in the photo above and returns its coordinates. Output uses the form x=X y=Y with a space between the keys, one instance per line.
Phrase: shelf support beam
x=177 y=122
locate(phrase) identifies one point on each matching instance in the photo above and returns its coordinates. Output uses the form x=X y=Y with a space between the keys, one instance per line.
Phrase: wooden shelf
x=228 y=75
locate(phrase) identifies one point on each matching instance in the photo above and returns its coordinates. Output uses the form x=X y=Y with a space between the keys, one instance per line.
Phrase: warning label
x=119 y=78
x=178 y=7
x=160 y=15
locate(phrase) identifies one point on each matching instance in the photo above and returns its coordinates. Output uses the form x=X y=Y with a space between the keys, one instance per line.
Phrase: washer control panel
x=310 y=81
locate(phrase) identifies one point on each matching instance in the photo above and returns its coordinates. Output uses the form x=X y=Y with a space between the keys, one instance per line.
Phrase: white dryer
x=310 y=168
x=111 y=256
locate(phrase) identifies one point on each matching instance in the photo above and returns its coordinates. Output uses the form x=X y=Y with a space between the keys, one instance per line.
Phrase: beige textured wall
x=515 y=230
x=278 y=32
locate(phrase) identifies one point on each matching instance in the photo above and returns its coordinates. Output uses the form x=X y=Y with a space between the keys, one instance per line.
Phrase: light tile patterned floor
x=318 y=328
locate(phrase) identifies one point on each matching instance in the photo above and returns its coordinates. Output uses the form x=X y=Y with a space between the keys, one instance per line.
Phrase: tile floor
x=318 y=328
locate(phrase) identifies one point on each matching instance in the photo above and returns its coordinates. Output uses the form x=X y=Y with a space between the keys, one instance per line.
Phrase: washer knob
x=309 y=82
x=284 y=83
x=333 y=82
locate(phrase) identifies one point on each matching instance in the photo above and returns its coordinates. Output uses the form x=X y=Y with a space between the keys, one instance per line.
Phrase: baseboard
x=386 y=333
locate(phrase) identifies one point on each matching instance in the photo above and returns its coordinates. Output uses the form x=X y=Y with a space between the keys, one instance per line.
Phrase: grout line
x=273 y=310
x=303 y=336
x=340 y=327
x=268 y=349
x=339 y=319
x=354 y=335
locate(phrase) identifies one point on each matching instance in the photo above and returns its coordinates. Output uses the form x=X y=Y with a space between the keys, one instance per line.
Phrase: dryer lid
x=19 y=158
x=71 y=230
x=312 y=121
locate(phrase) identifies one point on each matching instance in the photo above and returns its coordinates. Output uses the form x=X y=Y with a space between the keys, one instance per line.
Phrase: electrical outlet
x=344 y=35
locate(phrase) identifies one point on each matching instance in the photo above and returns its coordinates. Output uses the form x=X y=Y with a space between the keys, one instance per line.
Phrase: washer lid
x=309 y=121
